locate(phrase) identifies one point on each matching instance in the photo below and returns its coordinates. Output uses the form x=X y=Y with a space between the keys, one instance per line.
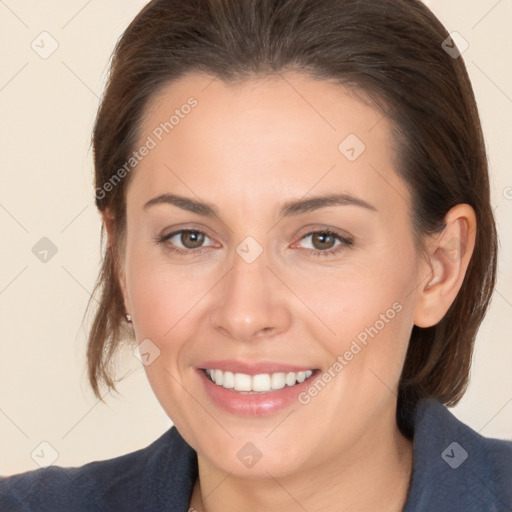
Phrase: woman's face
x=302 y=261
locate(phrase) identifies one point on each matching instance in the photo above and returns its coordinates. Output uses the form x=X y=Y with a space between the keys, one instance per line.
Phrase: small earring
x=128 y=318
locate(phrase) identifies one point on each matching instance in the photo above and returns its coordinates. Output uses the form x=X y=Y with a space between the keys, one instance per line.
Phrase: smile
x=261 y=383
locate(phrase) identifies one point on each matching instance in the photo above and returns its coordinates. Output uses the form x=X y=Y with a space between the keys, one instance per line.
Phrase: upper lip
x=253 y=368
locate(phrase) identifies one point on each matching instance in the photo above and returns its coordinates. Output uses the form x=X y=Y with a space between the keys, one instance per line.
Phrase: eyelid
x=319 y=228
x=178 y=228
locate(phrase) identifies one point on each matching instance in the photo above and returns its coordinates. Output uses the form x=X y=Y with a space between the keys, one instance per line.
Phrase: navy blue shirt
x=455 y=469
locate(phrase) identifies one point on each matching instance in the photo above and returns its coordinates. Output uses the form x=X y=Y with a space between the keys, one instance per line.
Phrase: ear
x=449 y=255
x=109 y=223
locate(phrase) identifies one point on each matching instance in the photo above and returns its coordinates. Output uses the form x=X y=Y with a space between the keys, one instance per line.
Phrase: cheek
x=161 y=296
x=366 y=313
x=163 y=305
x=346 y=303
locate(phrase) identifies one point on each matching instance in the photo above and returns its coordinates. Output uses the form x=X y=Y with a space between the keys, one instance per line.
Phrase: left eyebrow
x=314 y=203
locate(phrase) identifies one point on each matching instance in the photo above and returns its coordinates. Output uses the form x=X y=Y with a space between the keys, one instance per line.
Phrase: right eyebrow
x=185 y=203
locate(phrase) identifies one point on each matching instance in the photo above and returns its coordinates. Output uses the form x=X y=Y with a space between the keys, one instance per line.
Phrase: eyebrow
x=289 y=208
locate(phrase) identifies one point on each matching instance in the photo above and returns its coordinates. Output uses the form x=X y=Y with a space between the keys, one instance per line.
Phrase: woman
x=301 y=242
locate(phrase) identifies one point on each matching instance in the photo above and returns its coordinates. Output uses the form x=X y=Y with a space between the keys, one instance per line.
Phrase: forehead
x=279 y=134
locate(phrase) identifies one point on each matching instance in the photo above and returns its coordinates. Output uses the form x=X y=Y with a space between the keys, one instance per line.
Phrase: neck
x=376 y=478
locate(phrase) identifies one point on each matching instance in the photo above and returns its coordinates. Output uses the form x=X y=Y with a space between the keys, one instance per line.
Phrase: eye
x=323 y=242
x=190 y=242
x=184 y=241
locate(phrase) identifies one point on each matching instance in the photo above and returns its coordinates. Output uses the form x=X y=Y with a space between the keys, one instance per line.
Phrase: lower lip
x=253 y=404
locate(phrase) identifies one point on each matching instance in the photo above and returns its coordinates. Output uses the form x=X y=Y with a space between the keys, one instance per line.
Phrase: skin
x=247 y=149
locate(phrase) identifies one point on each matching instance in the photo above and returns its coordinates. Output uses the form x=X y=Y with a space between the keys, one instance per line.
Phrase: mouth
x=253 y=388
x=256 y=384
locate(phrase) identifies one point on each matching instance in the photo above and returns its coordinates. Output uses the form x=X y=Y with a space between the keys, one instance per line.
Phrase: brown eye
x=323 y=241
x=192 y=239
x=184 y=241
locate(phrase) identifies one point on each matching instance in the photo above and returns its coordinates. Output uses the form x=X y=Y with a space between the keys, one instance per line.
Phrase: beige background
x=47 y=111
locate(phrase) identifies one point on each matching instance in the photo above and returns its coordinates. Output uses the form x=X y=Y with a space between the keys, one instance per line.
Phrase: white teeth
x=290 y=379
x=261 y=383
x=278 y=381
x=228 y=380
x=242 y=381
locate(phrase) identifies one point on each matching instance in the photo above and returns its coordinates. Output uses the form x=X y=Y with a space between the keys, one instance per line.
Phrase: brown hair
x=390 y=50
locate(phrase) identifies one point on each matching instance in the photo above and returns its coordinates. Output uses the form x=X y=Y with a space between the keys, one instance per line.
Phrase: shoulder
x=166 y=469
x=455 y=467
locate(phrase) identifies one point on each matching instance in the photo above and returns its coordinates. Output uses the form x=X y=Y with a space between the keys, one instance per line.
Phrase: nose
x=250 y=302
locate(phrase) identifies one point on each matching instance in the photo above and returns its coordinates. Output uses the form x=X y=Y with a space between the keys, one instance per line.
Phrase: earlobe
x=449 y=256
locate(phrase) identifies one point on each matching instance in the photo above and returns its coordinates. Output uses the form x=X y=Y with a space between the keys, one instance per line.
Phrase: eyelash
x=345 y=242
